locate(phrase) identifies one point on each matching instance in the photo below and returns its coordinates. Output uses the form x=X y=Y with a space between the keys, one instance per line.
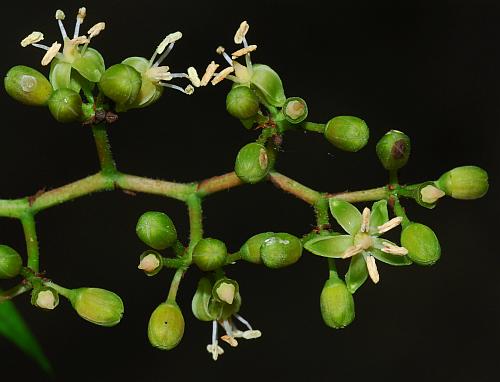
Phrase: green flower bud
x=27 y=86
x=250 y=251
x=422 y=244
x=156 y=229
x=10 y=262
x=121 y=83
x=151 y=262
x=252 y=163
x=295 y=110
x=337 y=304
x=65 y=105
x=166 y=326
x=99 y=306
x=268 y=85
x=242 y=103
x=280 y=250
x=225 y=290
x=393 y=149
x=45 y=298
x=209 y=254
x=347 y=133
x=466 y=182
x=201 y=300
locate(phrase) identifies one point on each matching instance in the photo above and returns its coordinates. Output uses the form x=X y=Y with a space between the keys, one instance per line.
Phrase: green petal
x=268 y=85
x=388 y=258
x=378 y=216
x=90 y=65
x=346 y=215
x=60 y=75
x=13 y=327
x=329 y=246
x=138 y=63
x=357 y=273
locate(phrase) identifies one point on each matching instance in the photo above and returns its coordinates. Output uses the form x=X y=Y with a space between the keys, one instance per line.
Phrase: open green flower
x=363 y=243
x=155 y=76
x=261 y=78
x=77 y=65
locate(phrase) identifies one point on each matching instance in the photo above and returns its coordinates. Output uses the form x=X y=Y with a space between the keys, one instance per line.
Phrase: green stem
x=399 y=210
x=305 y=193
x=363 y=196
x=103 y=146
x=311 y=126
x=174 y=286
x=14 y=291
x=233 y=257
x=332 y=267
x=179 y=191
x=195 y=220
x=218 y=183
x=59 y=289
x=28 y=222
x=82 y=187
x=393 y=177
x=321 y=210
x=173 y=262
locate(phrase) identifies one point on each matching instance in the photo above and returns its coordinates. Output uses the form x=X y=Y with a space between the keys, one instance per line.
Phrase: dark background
x=429 y=69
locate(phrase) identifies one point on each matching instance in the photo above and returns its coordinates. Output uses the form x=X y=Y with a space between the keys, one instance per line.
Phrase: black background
x=429 y=69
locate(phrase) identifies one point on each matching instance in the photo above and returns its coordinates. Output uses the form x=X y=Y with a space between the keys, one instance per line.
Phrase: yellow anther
x=366 y=220
x=60 y=15
x=351 y=251
x=193 y=76
x=372 y=268
x=172 y=37
x=241 y=32
x=220 y=50
x=243 y=51
x=96 y=29
x=189 y=90
x=394 y=249
x=32 y=38
x=394 y=222
x=209 y=72
x=82 y=12
x=230 y=340
x=219 y=77
x=159 y=73
x=51 y=53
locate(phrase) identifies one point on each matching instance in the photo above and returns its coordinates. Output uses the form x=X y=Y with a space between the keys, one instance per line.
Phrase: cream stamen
x=372 y=268
x=394 y=222
x=243 y=51
x=51 y=53
x=366 y=220
x=241 y=32
x=32 y=38
x=223 y=74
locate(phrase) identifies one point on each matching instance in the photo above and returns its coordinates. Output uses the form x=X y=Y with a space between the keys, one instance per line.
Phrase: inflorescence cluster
x=80 y=88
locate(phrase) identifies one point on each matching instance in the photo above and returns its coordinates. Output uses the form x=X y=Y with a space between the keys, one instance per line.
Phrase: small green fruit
x=99 y=306
x=347 y=133
x=422 y=244
x=242 y=103
x=250 y=251
x=209 y=254
x=156 y=229
x=393 y=149
x=166 y=326
x=280 y=250
x=295 y=110
x=45 y=298
x=268 y=85
x=121 y=83
x=10 y=262
x=65 y=105
x=27 y=86
x=466 y=182
x=252 y=163
x=337 y=304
